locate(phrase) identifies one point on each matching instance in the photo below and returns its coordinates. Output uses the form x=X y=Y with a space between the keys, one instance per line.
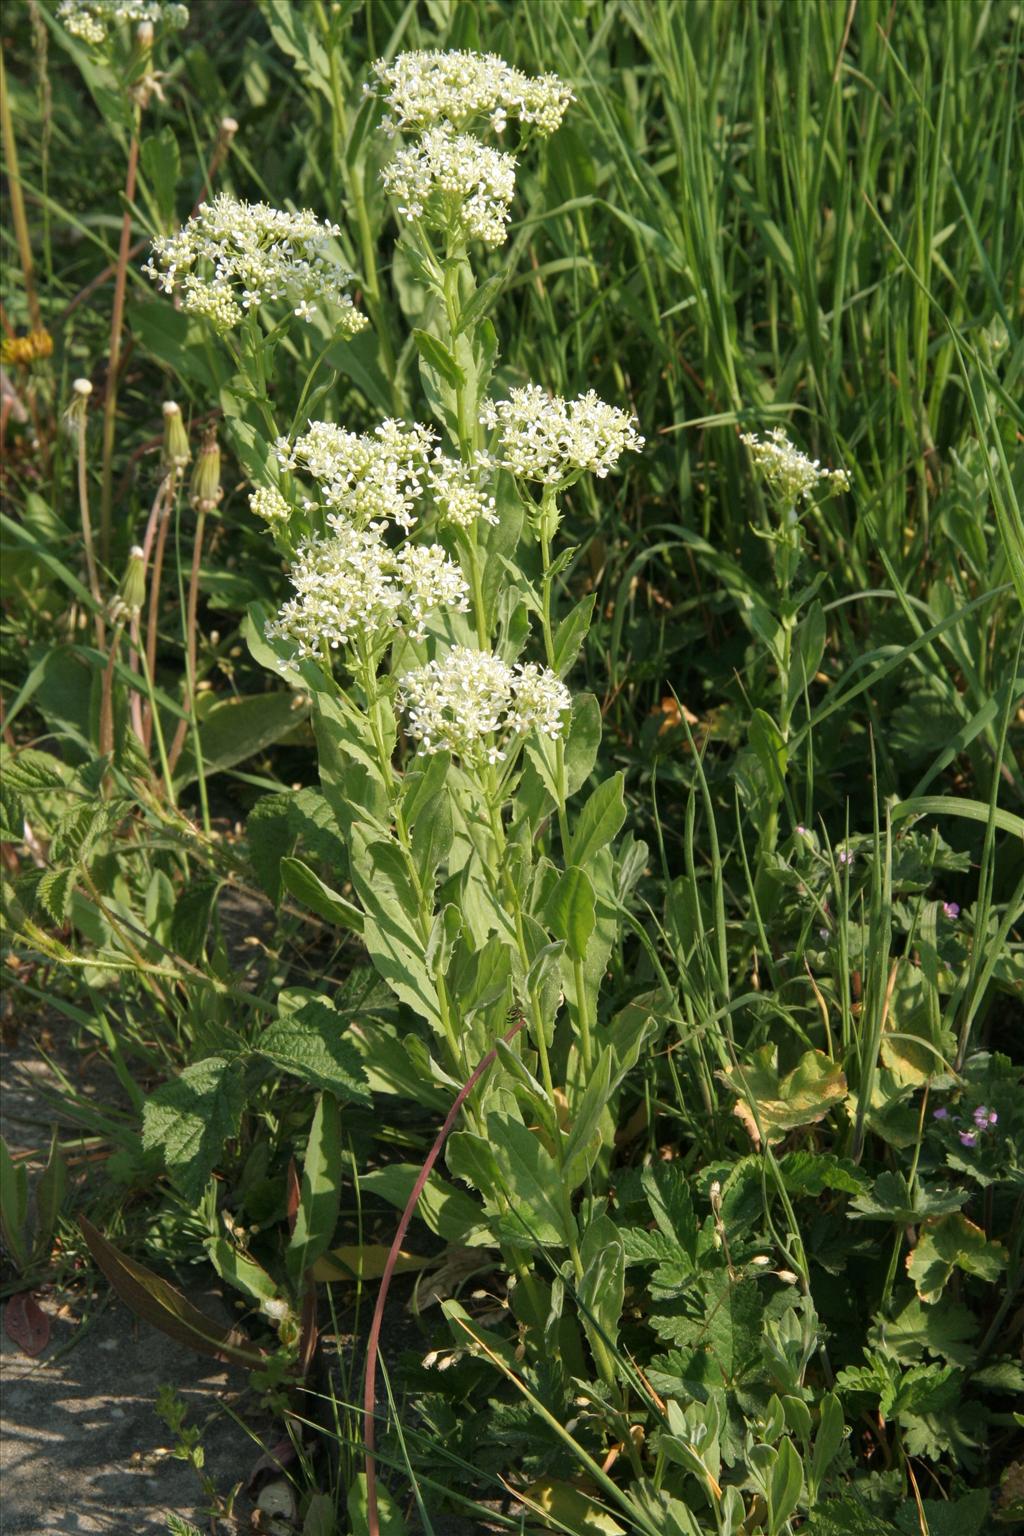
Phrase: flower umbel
x=426 y=87
x=353 y=588
x=454 y=183
x=544 y=438
x=474 y=705
x=90 y=20
x=231 y=257
x=788 y=471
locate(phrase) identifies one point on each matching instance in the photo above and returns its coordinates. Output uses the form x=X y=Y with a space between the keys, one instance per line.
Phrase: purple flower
x=801 y=831
x=940 y=1114
x=969 y=1138
x=845 y=857
x=980 y=1117
x=951 y=910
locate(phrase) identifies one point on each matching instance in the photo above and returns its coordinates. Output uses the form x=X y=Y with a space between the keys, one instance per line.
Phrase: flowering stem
x=191 y=646
x=114 y=358
x=153 y=614
x=87 y=543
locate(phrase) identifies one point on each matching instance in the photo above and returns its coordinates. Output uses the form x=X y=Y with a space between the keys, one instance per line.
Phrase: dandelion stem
x=114 y=357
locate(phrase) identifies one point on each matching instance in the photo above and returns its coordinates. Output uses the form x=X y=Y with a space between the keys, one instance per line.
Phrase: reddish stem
x=373 y=1341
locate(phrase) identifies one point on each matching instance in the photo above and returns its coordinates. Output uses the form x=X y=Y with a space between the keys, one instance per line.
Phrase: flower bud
x=132 y=594
x=205 y=491
x=74 y=416
x=176 y=451
x=228 y=129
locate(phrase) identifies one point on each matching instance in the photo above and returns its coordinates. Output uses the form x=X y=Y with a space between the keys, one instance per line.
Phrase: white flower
x=789 y=471
x=451 y=181
x=454 y=488
x=390 y=475
x=231 y=256
x=90 y=20
x=353 y=587
x=426 y=87
x=267 y=502
x=474 y=705
x=551 y=440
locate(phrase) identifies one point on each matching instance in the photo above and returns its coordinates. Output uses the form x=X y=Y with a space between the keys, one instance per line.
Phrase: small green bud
x=176 y=451
x=132 y=594
x=205 y=491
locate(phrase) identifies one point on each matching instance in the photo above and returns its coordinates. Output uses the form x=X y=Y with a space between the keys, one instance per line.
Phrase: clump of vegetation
x=520 y=781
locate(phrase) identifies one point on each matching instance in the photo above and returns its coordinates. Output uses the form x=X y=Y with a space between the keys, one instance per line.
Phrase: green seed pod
x=132 y=593
x=176 y=451
x=205 y=491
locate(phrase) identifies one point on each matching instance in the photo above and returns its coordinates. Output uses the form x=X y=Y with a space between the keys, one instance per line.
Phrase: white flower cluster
x=379 y=477
x=352 y=586
x=476 y=184
x=791 y=473
x=231 y=256
x=427 y=87
x=267 y=502
x=472 y=704
x=91 y=20
x=550 y=440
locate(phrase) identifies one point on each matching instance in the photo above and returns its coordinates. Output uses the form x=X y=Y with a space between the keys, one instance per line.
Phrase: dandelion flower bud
x=206 y=492
x=132 y=593
x=176 y=451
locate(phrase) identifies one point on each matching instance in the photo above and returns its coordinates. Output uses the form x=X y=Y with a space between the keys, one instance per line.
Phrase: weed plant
x=513 y=565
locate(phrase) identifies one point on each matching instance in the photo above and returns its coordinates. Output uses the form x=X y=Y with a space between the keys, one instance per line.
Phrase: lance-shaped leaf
x=770 y=1105
x=306 y=886
x=157 y=1301
x=317 y=1215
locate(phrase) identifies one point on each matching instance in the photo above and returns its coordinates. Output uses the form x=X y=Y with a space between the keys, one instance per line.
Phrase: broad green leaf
x=310 y=1042
x=827 y=1442
x=569 y=911
x=390 y=1522
x=947 y=1243
x=448 y=1211
x=161 y=166
x=190 y=1118
x=803 y=1097
x=767 y=742
x=584 y=1141
x=158 y=1302
x=786 y=1486
x=233 y=729
x=437 y=356
x=306 y=886
x=599 y=820
x=320 y=1196
x=570 y=1509
x=811 y=1173
x=945 y=1328
x=365 y=1261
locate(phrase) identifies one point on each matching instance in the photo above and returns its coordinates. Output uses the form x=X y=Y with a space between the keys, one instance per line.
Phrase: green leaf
x=601 y=1289
x=389 y=1516
x=945 y=1328
x=13 y=1205
x=437 y=356
x=158 y=1302
x=970 y=1515
x=827 y=1442
x=189 y=1119
x=571 y=633
x=161 y=167
x=270 y=838
x=309 y=1042
x=306 y=886
x=239 y=1270
x=317 y=1215
x=847 y=1517
x=599 y=820
x=768 y=744
x=948 y=1243
x=584 y=1140
x=808 y=649
x=891 y=1199
x=953 y=805
x=811 y=1173
x=569 y=911
x=54 y=894
x=803 y=1097
x=786 y=1486
x=194 y=910
x=50 y=1192
x=233 y=729
x=671 y=1204
x=448 y=1211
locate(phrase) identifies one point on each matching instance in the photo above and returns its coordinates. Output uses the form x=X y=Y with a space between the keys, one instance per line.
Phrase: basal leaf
x=190 y=1119
x=772 y=1105
x=947 y=1243
x=309 y=1041
x=320 y=1195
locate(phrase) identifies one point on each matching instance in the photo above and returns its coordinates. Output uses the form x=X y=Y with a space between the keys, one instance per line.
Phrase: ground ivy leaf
x=191 y=1118
x=948 y=1243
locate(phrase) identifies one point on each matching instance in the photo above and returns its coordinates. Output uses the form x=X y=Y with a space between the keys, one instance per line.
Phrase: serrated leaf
x=945 y=1328
x=54 y=894
x=811 y=1173
x=189 y=1119
x=948 y=1243
x=309 y=1042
